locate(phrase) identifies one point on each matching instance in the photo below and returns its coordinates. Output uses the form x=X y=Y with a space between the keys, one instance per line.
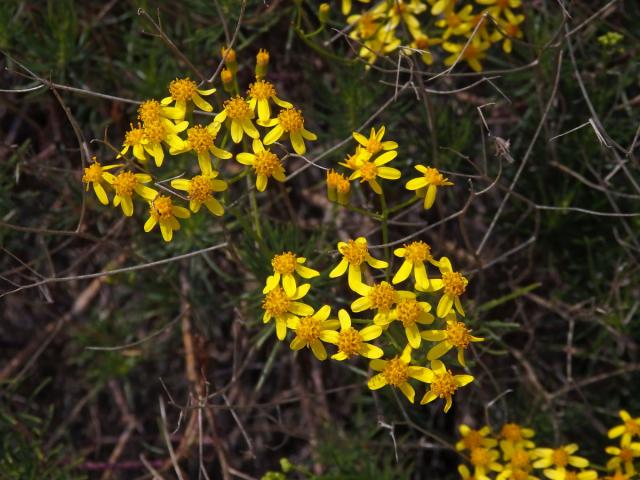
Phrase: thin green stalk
x=384 y=225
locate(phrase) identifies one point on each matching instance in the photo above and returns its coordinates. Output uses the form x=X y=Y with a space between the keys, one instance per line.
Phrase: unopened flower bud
x=262 y=63
x=323 y=12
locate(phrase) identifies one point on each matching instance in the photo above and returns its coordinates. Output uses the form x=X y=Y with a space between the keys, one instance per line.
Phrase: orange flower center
x=511 y=432
x=262 y=90
x=382 y=296
x=453 y=20
x=349 y=341
x=632 y=427
x=343 y=185
x=396 y=372
x=200 y=188
x=333 y=178
x=124 y=184
x=433 y=176
x=262 y=58
x=408 y=311
x=470 y=52
x=369 y=171
x=134 y=136
x=291 y=120
x=626 y=455
x=422 y=43
x=480 y=457
x=373 y=146
x=453 y=283
x=473 y=439
x=502 y=3
x=518 y=474
x=182 y=89
x=355 y=252
x=93 y=173
x=200 y=139
x=162 y=207
x=276 y=302
x=150 y=111
x=237 y=108
x=520 y=459
x=267 y=164
x=417 y=252
x=560 y=457
x=444 y=385
x=458 y=334
x=571 y=476
x=155 y=132
x=309 y=329
x=284 y=263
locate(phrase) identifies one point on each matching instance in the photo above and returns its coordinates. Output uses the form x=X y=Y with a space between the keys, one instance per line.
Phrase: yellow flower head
x=411 y=313
x=559 y=458
x=452 y=284
x=260 y=93
x=381 y=297
x=285 y=265
x=374 y=144
x=265 y=163
x=200 y=190
x=262 y=63
x=444 y=384
x=428 y=184
x=623 y=457
x=160 y=132
x=397 y=372
x=351 y=342
x=338 y=187
x=162 y=211
x=473 y=52
x=312 y=330
x=629 y=429
x=184 y=90
x=152 y=110
x=355 y=253
x=414 y=255
x=484 y=460
x=513 y=437
x=94 y=175
x=285 y=308
x=240 y=114
x=474 y=438
x=135 y=140
x=289 y=122
x=201 y=141
x=369 y=171
x=125 y=184
x=455 y=335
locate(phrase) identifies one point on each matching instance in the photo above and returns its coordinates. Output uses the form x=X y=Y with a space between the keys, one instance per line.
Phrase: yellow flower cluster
x=511 y=454
x=463 y=30
x=166 y=126
x=382 y=308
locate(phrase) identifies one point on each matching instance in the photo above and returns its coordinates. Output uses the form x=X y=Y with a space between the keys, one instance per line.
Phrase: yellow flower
x=259 y=94
x=414 y=254
x=474 y=438
x=158 y=132
x=422 y=43
x=374 y=144
x=355 y=160
x=338 y=187
x=411 y=313
x=369 y=171
x=473 y=53
x=352 y=342
x=284 y=266
x=135 y=140
x=397 y=372
x=453 y=285
x=183 y=90
x=94 y=175
x=623 y=456
x=238 y=111
x=285 y=308
x=559 y=458
x=262 y=63
x=265 y=163
x=444 y=384
x=200 y=190
x=201 y=140
x=428 y=184
x=629 y=429
x=402 y=11
x=125 y=184
x=455 y=335
x=511 y=28
x=519 y=466
x=465 y=473
x=289 y=122
x=500 y=6
x=346 y=6
x=152 y=110
x=456 y=23
x=439 y=6
x=354 y=254
x=162 y=211
x=312 y=330
x=380 y=297
x=484 y=460
x=514 y=437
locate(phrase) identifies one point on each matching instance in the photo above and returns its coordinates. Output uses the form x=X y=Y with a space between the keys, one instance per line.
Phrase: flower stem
x=384 y=225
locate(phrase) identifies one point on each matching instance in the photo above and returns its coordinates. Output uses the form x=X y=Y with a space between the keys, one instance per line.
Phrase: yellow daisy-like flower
x=422 y=43
x=456 y=23
x=511 y=28
x=439 y=6
x=453 y=284
x=265 y=163
x=284 y=266
x=444 y=385
x=474 y=438
x=338 y=187
x=162 y=211
x=402 y=11
x=559 y=458
x=369 y=171
x=93 y=176
x=312 y=330
x=629 y=429
x=152 y=110
x=484 y=461
x=354 y=254
x=414 y=254
x=158 y=132
x=623 y=457
x=125 y=184
x=238 y=111
x=351 y=342
x=259 y=94
x=346 y=6
x=397 y=372
x=200 y=139
x=519 y=466
x=411 y=313
x=355 y=160
x=513 y=437
x=135 y=140
x=498 y=7
x=285 y=308
x=473 y=53
x=373 y=145
x=428 y=184
x=289 y=122
x=380 y=297
x=455 y=335
x=200 y=190
x=183 y=90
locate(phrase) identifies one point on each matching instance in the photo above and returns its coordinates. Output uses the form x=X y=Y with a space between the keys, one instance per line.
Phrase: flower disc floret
x=291 y=120
x=520 y=459
x=480 y=457
x=368 y=171
x=237 y=108
x=182 y=89
x=382 y=296
x=155 y=131
x=453 y=283
x=276 y=302
x=472 y=440
x=510 y=431
x=200 y=188
x=200 y=138
x=560 y=457
x=262 y=90
x=309 y=328
x=134 y=136
x=444 y=384
x=93 y=173
x=417 y=251
x=125 y=183
x=355 y=252
x=458 y=334
x=150 y=111
x=349 y=341
x=284 y=263
x=396 y=372
x=162 y=208
x=267 y=163
x=408 y=311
